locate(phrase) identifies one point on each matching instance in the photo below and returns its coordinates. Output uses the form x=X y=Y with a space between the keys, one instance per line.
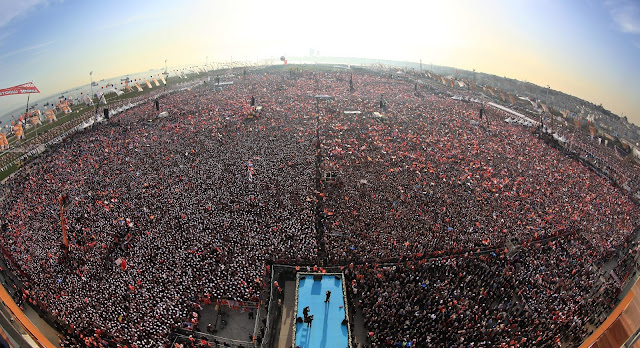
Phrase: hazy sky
x=587 y=48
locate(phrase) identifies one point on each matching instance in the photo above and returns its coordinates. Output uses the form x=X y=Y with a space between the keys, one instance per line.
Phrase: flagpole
x=26 y=112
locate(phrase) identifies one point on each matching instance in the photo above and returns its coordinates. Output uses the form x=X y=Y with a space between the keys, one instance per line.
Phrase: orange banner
x=18 y=131
x=4 y=143
x=35 y=120
x=51 y=116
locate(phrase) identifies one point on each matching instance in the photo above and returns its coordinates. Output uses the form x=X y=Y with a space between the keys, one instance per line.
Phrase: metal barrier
x=271 y=314
x=186 y=335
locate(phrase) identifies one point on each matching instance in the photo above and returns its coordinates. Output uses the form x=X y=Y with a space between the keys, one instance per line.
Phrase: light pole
x=166 y=76
x=548 y=88
x=91 y=83
x=549 y=108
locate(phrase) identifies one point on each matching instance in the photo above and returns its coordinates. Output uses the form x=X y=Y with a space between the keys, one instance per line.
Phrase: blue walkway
x=326 y=329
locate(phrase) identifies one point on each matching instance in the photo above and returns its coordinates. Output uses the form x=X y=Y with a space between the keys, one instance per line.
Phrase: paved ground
x=16 y=334
x=50 y=333
x=285 y=338
x=358 y=330
x=237 y=325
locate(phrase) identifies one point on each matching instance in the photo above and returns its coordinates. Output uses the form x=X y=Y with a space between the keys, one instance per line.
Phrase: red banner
x=24 y=88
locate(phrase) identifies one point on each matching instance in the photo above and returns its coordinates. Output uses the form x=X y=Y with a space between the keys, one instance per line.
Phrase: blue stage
x=326 y=329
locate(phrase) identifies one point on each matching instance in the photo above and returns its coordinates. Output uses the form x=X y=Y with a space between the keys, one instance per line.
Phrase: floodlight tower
x=549 y=108
x=91 y=82
x=548 y=87
x=166 y=75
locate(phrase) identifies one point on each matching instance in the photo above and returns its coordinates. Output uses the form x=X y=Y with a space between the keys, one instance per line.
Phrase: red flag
x=24 y=88
x=124 y=264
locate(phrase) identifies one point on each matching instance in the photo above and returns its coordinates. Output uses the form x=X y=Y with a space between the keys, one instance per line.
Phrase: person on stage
x=305 y=312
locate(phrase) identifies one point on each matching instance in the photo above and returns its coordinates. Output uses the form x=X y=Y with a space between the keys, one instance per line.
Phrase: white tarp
x=514 y=113
x=100 y=97
x=117 y=92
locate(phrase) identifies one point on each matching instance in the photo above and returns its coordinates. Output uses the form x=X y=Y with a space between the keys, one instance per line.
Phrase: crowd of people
x=164 y=212
x=173 y=202
x=541 y=297
x=39 y=137
x=606 y=156
x=432 y=176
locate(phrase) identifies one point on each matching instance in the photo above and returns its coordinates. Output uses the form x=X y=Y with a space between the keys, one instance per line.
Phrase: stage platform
x=327 y=328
